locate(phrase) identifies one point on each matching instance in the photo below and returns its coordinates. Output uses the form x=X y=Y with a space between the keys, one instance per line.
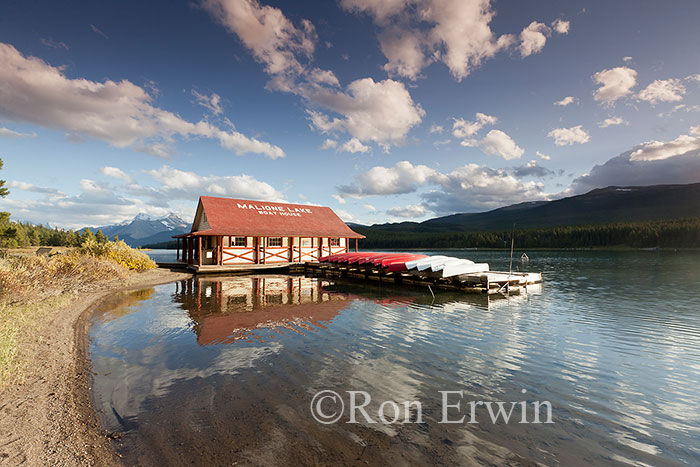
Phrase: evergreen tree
x=87 y=235
x=3 y=191
x=100 y=237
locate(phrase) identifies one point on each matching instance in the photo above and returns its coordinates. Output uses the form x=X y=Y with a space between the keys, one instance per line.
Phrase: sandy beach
x=47 y=418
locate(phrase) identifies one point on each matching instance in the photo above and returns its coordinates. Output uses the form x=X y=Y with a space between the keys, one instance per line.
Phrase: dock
x=438 y=273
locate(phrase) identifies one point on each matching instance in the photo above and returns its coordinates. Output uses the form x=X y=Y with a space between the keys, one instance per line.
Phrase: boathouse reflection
x=229 y=309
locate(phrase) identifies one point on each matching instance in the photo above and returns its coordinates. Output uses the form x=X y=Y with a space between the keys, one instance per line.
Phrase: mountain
x=600 y=206
x=144 y=229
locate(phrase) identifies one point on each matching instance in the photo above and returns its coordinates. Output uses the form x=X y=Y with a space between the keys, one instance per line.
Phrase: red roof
x=240 y=217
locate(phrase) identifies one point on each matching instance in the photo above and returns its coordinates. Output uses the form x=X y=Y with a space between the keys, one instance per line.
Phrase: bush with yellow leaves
x=120 y=253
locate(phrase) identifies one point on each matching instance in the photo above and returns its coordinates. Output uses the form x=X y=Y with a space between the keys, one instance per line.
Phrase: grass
x=31 y=287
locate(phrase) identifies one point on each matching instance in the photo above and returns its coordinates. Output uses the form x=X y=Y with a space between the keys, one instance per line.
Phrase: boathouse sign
x=267 y=210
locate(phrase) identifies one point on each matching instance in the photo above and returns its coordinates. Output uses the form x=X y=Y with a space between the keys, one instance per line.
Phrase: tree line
x=23 y=235
x=683 y=233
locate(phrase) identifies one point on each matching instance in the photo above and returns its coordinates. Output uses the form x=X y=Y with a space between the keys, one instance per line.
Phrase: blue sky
x=384 y=110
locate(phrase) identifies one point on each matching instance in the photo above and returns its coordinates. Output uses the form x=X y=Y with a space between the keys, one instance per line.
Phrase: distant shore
x=46 y=416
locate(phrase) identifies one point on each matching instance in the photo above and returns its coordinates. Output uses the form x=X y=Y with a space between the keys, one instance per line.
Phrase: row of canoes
x=436 y=266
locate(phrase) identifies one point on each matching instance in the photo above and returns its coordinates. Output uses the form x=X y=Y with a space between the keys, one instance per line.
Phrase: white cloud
x=435 y=128
x=612 y=121
x=404 y=177
x=569 y=136
x=338 y=198
x=24 y=186
x=652 y=163
x=695 y=130
x=54 y=44
x=114 y=172
x=627 y=59
x=663 y=90
x=561 y=26
x=329 y=144
x=369 y=207
x=382 y=112
x=416 y=33
x=466 y=129
x=615 y=83
x=354 y=146
x=7 y=133
x=544 y=157
x=533 y=38
x=178 y=184
x=345 y=215
x=497 y=143
x=411 y=211
x=474 y=187
x=466 y=188
x=693 y=78
x=566 y=101
x=267 y=33
x=119 y=113
x=211 y=103
x=531 y=169
x=658 y=150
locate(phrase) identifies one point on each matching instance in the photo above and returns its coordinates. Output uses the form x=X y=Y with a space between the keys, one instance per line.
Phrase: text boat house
x=241 y=232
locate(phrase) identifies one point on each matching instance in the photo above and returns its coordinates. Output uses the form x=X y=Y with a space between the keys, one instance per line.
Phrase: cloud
x=467 y=188
x=338 y=198
x=566 y=101
x=695 y=130
x=612 y=121
x=474 y=187
x=533 y=38
x=544 y=157
x=663 y=90
x=496 y=143
x=369 y=207
x=119 y=113
x=96 y=30
x=569 y=136
x=97 y=203
x=211 y=103
x=54 y=44
x=655 y=163
x=329 y=144
x=354 y=146
x=114 y=172
x=561 y=26
x=435 y=128
x=659 y=150
x=411 y=211
x=616 y=83
x=382 y=112
x=273 y=40
x=531 y=169
x=345 y=215
x=24 y=186
x=416 y=33
x=7 y=133
x=179 y=184
x=466 y=129
x=404 y=177
x=627 y=59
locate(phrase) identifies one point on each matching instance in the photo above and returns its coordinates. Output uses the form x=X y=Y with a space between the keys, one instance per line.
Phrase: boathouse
x=229 y=231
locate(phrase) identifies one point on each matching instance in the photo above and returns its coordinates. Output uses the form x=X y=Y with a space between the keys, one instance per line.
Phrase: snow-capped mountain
x=144 y=229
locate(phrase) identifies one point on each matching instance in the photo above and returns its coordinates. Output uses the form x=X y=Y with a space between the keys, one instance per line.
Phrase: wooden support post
x=221 y=250
x=355 y=245
x=290 y=241
x=199 y=251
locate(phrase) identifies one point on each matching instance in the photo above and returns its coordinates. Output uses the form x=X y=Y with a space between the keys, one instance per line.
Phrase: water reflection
x=237 y=360
x=226 y=310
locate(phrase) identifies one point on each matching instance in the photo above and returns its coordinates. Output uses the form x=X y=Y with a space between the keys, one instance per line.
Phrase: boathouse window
x=274 y=241
x=335 y=241
x=239 y=241
x=305 y=242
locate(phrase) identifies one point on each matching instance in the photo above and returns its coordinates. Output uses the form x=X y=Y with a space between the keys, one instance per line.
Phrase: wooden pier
x=491 y=282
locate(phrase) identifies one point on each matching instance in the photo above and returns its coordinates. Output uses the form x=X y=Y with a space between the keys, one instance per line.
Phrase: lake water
x=214 y=371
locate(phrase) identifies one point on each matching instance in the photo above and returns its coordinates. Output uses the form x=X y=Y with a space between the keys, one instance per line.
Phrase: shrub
x=118 y=252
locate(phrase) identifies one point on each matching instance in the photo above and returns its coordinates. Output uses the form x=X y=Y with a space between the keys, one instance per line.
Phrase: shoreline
x=48 y=417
